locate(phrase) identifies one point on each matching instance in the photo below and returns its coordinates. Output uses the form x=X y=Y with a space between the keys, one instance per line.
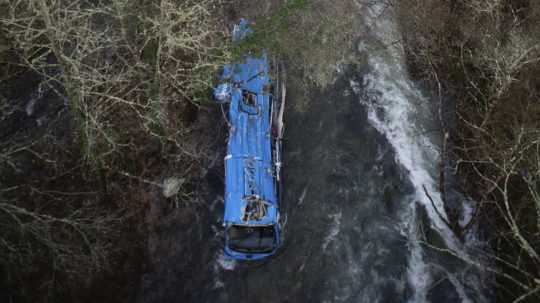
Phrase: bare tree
x=128 y=71
x=486 y=55
x=117 y=66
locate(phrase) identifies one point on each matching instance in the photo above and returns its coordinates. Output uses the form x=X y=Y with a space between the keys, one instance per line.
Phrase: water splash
x=225 y=262
x=221 y=263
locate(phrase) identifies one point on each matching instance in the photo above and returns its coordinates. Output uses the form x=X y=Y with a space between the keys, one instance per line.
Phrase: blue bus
x=253 y=162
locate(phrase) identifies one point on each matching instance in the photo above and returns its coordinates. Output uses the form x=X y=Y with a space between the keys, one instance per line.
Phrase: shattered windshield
x=251 y=238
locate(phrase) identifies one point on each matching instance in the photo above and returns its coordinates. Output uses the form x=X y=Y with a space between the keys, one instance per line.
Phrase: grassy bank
x=485 y=57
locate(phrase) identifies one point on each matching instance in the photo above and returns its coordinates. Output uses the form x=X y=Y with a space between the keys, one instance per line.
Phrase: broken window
x=249 y=102
x=251 y=239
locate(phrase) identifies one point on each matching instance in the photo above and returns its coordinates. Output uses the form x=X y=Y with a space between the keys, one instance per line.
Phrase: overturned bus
x=255 y=99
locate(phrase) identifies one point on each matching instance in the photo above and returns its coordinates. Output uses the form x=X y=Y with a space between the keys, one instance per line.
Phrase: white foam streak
x=392 y=114
x=398 y=110
x=225 y=262
x=417 y=271
x=334 y=230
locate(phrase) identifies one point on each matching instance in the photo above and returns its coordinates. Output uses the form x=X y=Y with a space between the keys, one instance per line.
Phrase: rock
x=171 y=186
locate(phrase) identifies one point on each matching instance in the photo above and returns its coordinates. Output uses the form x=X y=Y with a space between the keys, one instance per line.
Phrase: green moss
x=269 y=30
x=313 y=35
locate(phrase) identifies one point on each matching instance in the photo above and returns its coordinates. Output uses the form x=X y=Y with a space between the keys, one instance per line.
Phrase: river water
x=357 y=158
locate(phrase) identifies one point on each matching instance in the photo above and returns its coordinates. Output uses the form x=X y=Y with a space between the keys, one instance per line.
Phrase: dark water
x=347 y=198
x=357 y=156
x=343 y=199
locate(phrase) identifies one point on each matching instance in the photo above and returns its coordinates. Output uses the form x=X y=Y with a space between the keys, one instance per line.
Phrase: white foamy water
x=221 y=262
x=390 y=115
x=224 y=262
x=394 y=113
x=399 y=111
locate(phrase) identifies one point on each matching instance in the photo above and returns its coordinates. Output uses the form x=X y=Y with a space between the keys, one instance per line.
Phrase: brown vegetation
x=118 y=84
x=314 y=36
x=485 y=54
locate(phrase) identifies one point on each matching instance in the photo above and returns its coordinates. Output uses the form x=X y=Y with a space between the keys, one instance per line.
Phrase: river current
x=360 y=227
